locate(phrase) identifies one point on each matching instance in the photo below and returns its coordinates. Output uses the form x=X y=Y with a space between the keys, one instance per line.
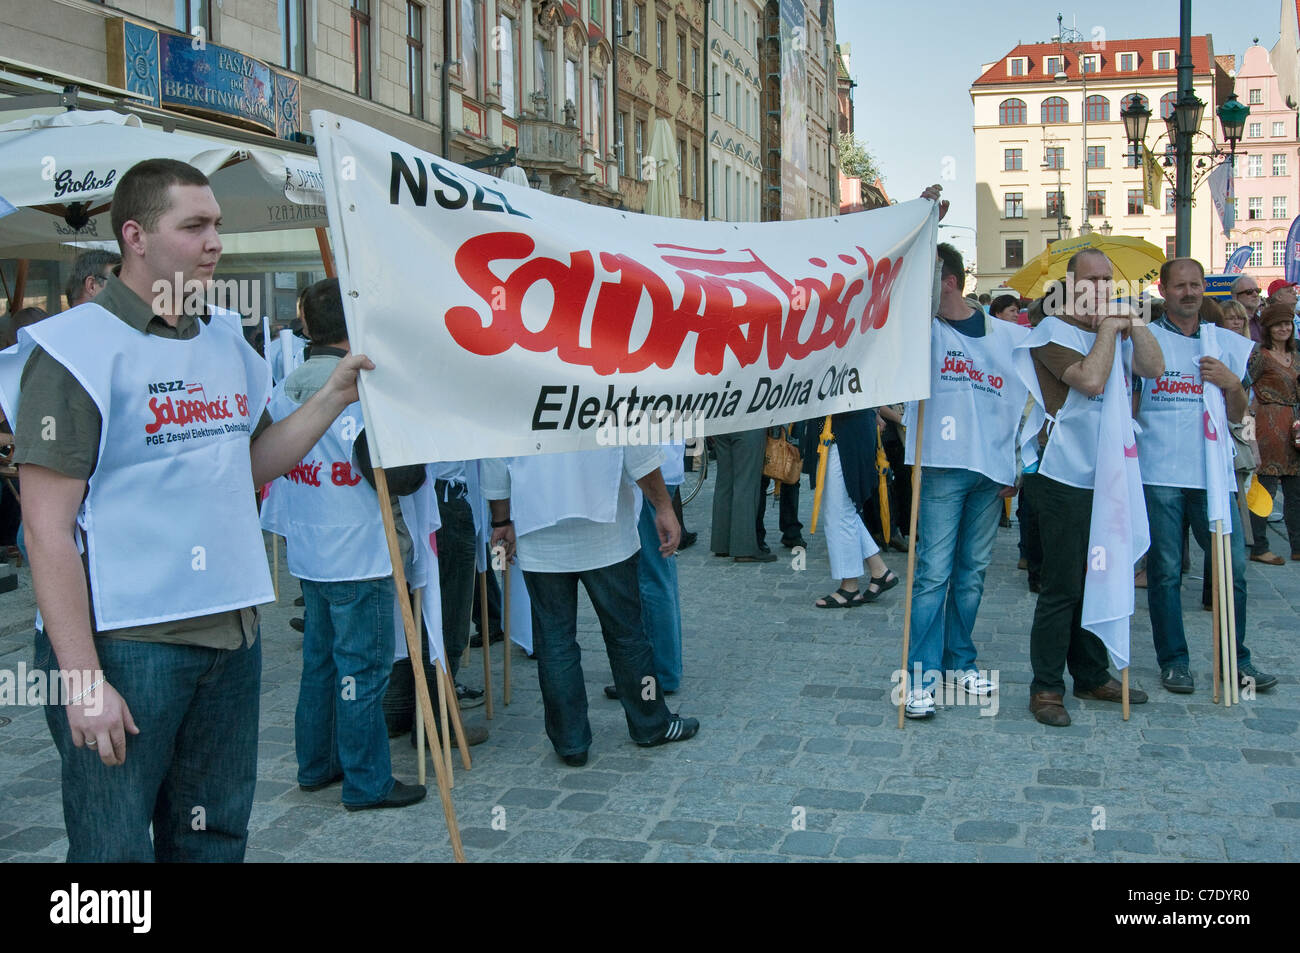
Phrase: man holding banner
x=1076 y=364
x=1186 y=460
x=971 y=463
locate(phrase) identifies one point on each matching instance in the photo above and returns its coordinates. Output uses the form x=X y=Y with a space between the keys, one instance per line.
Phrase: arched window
x=1167 y=105
x=1055 y=109
x=1098 y=108
x=1012 y=112
x=1132 y=98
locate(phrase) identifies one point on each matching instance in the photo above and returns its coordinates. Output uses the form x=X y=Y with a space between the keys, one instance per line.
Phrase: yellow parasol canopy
x=1132 y=258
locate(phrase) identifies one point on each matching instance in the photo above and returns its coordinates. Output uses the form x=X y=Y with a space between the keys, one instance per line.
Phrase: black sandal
x=882 y=583
x=851 y=600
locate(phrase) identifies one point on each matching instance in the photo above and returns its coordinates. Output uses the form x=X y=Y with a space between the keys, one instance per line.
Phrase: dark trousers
x=493 y=601
x=791 y=528
x=736 y=492
x=1031 y=544
x=1057 y=638
x=1290 y=512
x=615 y=594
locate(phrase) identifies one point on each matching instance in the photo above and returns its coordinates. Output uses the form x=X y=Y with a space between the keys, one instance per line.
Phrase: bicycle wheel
x=697 y=459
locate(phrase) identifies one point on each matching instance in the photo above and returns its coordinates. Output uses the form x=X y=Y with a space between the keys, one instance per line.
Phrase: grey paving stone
x=826 y=745
x=601 y=848
x=482 y=838
x=779 y=742
x=1287 y=809
x=1264 y=756
x=1068 y=778
x=894 y=804
x=1132 y=842
x=822 y=797
x=853 y=847
x=31 y=838
x=876 y=749
x=528 y=797
x=1053 y=795
x=985 y=832
x=682 y=832
x=808 y=844
x=583 y=801
x=1001 y=854
x=733 y=837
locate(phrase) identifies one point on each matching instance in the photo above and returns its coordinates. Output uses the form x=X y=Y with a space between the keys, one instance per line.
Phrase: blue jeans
x=661 y=608
x=957 y=524
x=1167 y=508
x=614 y=595
x=347 y=653
x=191 y=770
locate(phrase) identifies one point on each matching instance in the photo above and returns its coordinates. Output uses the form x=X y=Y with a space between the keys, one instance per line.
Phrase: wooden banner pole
x=505 y=624
x=1215 y=555
x=326 y=257
x=413 y=649
x=911 y=557
x=442 y=714
x=487 y=640
x=1232 y=682
x=1221 y=649
x=1123 y=675
x=422 y=772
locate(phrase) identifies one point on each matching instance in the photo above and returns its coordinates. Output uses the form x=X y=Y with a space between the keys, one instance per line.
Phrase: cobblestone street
x=798 y=755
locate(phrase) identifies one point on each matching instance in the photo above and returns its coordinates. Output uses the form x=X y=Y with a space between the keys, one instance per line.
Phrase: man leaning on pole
x=1175 y=447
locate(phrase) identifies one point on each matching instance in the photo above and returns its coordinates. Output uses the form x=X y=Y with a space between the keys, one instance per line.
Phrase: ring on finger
x=92 y=744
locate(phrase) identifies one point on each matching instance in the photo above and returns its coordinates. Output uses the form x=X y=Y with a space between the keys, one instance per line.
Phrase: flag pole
x=505 y=622
x=911 y=554
x=422 y=769
x=1215 y=557
x=1233 y=683
x=413 y=650
x=487 y=640
x=1221 y=647
x=1123 y=682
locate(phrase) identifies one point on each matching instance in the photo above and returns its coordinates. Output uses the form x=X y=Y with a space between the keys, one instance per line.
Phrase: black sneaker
x=469 y=697
x=1178 y=680
x=400 y=796
x=1263 y=681
x=679 y=729
x=297 y=625
x=476 y=640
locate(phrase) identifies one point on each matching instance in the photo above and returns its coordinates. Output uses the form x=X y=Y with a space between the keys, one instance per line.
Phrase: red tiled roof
x=1145 y=49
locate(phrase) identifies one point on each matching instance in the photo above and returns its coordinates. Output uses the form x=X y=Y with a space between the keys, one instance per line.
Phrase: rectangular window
x=595 y=10
x=1171 y=205
x=713 y=187
x=1135 y=204
x=1127 y=62
x=661 y=45
x=1091 y=63
x=695 y=68
x=598 y=117
x=1279 y=206
x=1164 y=60
x=1131 y=158
x=1256 y=97
x=572 y=87
x=192 y=16
x=618 y=22
x=1054 y=157
x=1055 y=204
x=640 y=147
x=620 y=143
x=1279 y=128
x=681 y=167
x=1013 y=205
x=1254 y=130
x=361 y=47
x=542 y=70
x=681 y=57
x=1096 y=157
x=1279 y=254
x=1254 y=166
x=1013 y=160
x=1016 y=66
x=1096 y=201
x=1279 y=163
x=1052 y=65
x=1014 y=252
x=1254 y=207
x=1171 y=244
x=415 y=58
x=293 y=19
x=470 y=44
x=507 y=65
x=638 y=33
x=695 y=174
x=1256 y=255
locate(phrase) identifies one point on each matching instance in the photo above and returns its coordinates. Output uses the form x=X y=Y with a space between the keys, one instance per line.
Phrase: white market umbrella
x=661 y=193
x=59 y=171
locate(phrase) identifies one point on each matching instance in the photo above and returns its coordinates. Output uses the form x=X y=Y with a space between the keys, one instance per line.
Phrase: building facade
x=1267 y=182
x=735 y=87
x=1052 y=159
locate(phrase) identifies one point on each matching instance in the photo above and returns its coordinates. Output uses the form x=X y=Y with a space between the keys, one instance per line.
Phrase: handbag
x=781 y=459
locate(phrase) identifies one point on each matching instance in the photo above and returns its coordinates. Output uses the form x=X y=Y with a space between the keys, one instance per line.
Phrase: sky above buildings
x=914 y=63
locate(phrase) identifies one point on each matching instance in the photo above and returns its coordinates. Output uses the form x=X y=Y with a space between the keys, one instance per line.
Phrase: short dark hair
x=88 y=264
x=141 y=196
x=985 y=298
x=953 y=266
x=322 y=308
x=1166 y=269
x=1002 y=302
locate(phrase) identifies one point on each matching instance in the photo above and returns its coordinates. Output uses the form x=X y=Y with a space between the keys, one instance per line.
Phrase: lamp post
x=1075 y=38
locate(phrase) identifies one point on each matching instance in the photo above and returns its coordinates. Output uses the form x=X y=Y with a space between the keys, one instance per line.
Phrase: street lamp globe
x=1232 y=116
x=1187 y=114
x=1136 y=115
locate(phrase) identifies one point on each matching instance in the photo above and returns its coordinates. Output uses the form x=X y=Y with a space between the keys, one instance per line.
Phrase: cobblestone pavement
x=799 y=756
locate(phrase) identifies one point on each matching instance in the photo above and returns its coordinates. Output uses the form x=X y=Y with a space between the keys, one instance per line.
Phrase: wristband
x=94 y=685
x=497 y=524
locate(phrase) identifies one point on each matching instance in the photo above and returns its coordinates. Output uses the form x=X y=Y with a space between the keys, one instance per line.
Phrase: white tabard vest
x=546 y=489
x=1070 y=456
x=327 y=513
x=1171 y=410
x=976 y=401
x=169 y=517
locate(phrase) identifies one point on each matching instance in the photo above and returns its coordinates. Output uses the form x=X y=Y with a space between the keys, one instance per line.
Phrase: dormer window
x=1164 y=59
x=1052 y=65
x=1091 y=63
x=1128 y=62
x=1017 y=65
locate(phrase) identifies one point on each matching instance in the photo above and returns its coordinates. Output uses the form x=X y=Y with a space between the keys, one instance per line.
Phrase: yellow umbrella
x=1132 y=258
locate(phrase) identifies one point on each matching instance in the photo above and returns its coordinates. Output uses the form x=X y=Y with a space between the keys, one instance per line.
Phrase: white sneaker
x=920 y=704
x=972 y=683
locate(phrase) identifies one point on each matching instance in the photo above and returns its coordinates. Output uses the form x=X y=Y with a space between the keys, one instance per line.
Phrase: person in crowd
x=533 y=501
x=1071 y=356
x=736 y=496
x=162 y=613
x=335 y=545
x=1006 y=308
x=1244 y=290
x=90 y=273
x=970 y=462
x=788 y=515
x=891 y=435
x=1172 y=458
x=1273 y=371
x=986 y=302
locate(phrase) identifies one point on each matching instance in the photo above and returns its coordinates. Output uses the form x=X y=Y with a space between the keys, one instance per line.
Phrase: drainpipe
x=446 y=79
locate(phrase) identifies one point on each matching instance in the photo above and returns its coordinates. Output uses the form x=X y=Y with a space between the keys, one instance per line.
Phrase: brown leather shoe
x=1049 y=709
x=1270 y=559
x=1113 y=691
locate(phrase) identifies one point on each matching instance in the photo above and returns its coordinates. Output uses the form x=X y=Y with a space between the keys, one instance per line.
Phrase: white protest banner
x=504 y=321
